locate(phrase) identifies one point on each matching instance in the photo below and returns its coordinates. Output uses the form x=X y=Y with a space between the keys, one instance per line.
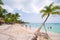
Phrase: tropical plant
x=47 y=11
x=2 y=12
x=12 y=18
x=16 y=17
x=9 y=17
x=1 y=2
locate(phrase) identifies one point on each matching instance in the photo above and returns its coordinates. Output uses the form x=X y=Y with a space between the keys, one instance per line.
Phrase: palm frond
x=46 y=7
x=42 y=11
x=51 y=4
x=58 y=13
x=4 y=11
x=17 y=14
x=44 y=14
x=55 y=8
x=50 y=10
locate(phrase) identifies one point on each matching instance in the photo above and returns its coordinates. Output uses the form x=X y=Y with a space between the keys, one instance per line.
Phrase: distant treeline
x=7 y=17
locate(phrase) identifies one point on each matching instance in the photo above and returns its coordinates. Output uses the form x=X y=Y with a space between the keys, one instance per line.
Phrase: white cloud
x=29 y=6
x=38 y=6
x=7 y=8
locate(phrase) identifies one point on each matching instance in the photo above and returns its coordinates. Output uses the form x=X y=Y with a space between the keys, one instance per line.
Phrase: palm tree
x=47 y=11
x=17 y=14
x=11 y=18
x=2 y=12
x=16 y=17
x=8 y=18
x=54 y=10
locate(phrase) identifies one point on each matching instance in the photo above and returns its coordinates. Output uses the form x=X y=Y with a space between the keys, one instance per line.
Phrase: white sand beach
x=18 y=32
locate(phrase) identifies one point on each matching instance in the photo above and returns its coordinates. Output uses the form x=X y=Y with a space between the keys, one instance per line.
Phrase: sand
x=19 y=32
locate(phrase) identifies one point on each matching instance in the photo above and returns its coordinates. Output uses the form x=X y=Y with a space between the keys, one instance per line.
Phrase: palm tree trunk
x=38 y=30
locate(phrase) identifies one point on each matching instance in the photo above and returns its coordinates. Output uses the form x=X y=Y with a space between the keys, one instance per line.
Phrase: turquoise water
x=55 y=27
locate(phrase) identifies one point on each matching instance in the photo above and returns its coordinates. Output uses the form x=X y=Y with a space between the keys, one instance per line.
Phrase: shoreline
x=20 y=32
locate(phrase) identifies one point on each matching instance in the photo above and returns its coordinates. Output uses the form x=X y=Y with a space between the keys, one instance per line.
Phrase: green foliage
x=12 y=18
x=58 y=13
x=1 y=2
x=55 y=8
x=9 y=17
x=50 y=9
x=43 y=11
x=44 y=15
x=2 y=12
x=51 y=4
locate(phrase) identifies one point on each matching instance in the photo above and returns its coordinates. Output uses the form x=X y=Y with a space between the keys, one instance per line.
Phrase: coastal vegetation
x=8 y=17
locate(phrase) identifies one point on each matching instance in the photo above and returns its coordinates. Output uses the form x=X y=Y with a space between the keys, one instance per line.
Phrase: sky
x=30 y=10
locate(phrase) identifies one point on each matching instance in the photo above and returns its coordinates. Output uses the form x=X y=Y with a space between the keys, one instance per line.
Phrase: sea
x=52 y=27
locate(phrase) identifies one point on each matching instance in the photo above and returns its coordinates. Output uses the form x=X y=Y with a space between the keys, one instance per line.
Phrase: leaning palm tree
x=47 y=11
x=54 y=10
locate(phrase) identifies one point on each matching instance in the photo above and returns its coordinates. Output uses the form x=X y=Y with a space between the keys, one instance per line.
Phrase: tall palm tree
x=2 y=12
x=47 y=11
